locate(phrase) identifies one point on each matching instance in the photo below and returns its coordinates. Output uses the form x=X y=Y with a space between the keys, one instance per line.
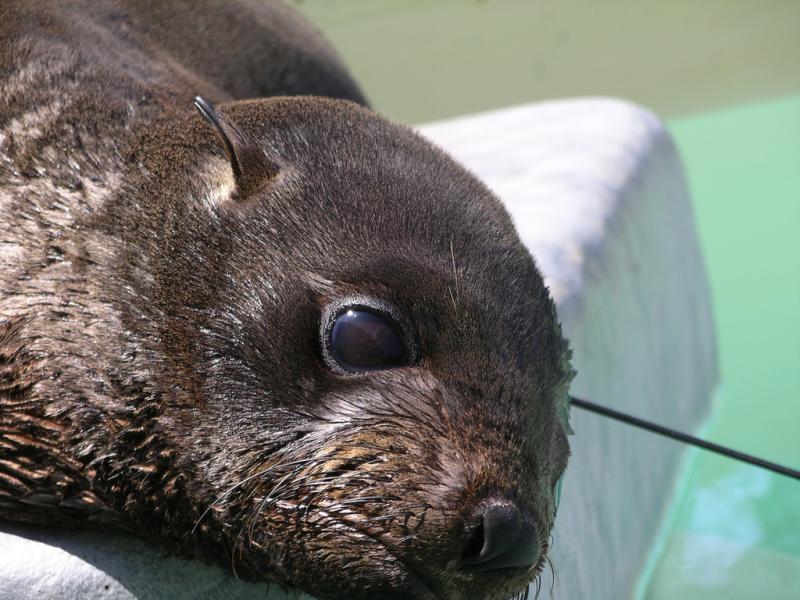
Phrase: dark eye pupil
x=362 y=341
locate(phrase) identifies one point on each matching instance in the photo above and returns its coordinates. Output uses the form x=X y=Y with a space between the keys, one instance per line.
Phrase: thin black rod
x=684 y=437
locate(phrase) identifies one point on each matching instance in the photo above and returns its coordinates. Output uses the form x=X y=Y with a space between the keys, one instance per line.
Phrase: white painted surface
x=598 y=195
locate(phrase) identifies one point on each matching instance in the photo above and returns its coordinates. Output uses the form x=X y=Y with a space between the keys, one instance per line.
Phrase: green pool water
x=734 y=531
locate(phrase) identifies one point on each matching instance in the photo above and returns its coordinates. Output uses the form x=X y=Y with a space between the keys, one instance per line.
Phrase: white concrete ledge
x=599 y=197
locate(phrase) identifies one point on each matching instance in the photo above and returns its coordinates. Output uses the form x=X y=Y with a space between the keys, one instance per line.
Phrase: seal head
x=364 y=369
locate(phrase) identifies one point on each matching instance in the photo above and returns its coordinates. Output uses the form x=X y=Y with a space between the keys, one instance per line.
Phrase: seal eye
x=363 y=340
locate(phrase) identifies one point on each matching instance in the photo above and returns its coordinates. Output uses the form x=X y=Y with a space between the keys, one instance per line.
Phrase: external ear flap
x=250 y=164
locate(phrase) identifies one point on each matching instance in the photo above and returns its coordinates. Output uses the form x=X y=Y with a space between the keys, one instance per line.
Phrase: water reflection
x=736 y=536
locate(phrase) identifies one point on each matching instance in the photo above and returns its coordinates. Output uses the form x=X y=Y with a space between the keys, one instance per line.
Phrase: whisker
x=244 y=481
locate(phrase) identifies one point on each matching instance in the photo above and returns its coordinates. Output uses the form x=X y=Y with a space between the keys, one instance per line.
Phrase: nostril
x=502 y=539
x=475 y=542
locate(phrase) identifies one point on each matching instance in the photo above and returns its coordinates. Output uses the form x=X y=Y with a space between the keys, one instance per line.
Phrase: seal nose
x=502 y=539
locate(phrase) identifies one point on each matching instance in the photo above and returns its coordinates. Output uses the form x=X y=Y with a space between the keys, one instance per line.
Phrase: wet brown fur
x=160 y=365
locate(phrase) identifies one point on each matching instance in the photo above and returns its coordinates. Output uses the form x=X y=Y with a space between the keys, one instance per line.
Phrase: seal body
x=171 y=289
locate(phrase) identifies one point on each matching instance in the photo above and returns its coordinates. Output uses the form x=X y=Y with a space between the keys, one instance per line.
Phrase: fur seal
x=283 y=335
